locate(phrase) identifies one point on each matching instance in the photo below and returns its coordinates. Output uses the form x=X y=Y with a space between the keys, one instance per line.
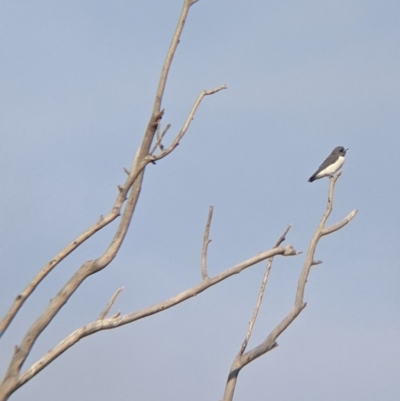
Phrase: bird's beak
x=346 y=149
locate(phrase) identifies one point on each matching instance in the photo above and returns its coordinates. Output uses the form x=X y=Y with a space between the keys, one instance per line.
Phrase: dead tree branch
x=269 y=343
x=114 y=322
x=128 y=194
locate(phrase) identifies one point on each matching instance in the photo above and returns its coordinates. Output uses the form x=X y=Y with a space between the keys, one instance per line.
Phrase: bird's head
x=340 y=150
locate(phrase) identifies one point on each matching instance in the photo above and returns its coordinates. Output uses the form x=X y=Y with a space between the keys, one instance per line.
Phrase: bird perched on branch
x=331 y=164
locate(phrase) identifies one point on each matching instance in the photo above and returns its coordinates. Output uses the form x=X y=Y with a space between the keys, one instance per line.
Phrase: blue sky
x=77 y=81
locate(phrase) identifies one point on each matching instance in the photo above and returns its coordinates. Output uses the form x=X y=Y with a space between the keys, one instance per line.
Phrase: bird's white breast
x=332 y=168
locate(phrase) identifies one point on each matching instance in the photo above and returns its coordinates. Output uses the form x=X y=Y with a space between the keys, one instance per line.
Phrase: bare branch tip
x=110 y=304
x=353 y=213
x=282 y=238
x=289 y=251
x=206 y=241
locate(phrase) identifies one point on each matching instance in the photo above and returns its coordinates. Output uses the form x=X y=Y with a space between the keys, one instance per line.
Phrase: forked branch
x=269 y=343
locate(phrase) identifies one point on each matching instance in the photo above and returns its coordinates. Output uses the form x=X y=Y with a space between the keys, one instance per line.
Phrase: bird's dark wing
x=327 y=162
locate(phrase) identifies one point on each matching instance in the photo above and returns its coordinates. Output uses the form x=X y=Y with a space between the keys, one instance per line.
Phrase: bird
x=331 y=164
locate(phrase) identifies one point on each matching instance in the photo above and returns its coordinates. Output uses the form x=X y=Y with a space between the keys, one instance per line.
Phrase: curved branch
x=340 y=224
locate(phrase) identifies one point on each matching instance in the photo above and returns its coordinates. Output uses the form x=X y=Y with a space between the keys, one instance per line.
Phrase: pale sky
x=77 y=81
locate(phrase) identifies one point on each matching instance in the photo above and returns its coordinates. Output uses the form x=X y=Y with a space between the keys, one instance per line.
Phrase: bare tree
x=151 y=149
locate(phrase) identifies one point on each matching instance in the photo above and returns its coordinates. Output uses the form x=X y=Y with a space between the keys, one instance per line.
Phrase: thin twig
x=316 y=262
x=261 y=293
x=206 y=241
x=110 y=304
